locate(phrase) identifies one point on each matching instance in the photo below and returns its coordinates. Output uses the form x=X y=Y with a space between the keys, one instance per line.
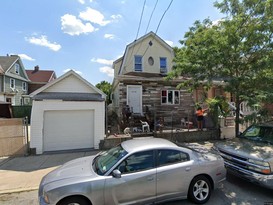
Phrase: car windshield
x=259 y=133
x=106 y=160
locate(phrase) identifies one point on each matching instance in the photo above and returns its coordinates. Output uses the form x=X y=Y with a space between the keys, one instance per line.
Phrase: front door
x=134 y=98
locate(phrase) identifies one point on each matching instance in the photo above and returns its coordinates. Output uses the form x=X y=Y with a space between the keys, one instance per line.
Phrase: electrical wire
x=151 y=16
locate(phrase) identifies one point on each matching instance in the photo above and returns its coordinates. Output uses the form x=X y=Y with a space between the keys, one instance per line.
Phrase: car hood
x=246 y=148
x=81 y=167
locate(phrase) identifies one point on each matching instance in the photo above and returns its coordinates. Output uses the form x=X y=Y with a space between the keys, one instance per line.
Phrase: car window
x=166 y=157
x=137 y=162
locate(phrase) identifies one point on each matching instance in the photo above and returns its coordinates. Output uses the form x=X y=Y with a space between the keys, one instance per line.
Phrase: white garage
x=67 y=114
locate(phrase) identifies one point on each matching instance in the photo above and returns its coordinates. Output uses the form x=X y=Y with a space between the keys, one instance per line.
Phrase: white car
x=138 y=171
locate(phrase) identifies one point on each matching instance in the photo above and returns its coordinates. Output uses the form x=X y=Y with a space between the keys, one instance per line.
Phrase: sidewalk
x=25 y=173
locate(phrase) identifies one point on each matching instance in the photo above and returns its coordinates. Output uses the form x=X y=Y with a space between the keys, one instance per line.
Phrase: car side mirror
x=116 y=174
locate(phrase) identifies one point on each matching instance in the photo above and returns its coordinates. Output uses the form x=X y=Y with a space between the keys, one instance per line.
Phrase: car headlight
x=259 y=166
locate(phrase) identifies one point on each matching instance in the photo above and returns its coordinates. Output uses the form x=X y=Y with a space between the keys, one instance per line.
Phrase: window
x=17 y=68
x=170 y=97
x=166 y=157
x=137 y=162
x=138 y=63
x=163 y=65
x=12 y=83
x=24 y=86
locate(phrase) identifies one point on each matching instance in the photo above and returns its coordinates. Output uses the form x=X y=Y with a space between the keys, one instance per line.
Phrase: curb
x=11 y=191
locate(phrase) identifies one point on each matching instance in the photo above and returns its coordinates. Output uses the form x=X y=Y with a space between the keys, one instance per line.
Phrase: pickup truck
x=250 y=155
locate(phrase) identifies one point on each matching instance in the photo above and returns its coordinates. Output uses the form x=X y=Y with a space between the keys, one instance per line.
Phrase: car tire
x=74 y=200
x=200 y=190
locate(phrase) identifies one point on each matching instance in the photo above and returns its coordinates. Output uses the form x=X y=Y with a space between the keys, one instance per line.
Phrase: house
x=13 y=80
x=140 y=85
x=39 y=78
x=67 y=113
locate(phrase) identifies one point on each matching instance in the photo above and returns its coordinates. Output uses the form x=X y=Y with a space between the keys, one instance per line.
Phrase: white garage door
x=68 y=129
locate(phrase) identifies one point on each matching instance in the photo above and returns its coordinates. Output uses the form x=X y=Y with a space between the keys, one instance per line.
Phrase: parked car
x=138 y=171
x=250 y=156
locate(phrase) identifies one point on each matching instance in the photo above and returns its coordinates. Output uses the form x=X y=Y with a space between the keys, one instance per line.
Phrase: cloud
x=117 y=16
x=26 y=57
x=169 y=42
x=109 y=36
x=102 y=61
x=42 y=41
x=107 y=70
x=81 y=1
x=93 y=16
x=73 y=26
x=66 y=70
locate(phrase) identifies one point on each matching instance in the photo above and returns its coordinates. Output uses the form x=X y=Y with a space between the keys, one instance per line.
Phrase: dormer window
x=163 y=65
x=17 y=68
x=138 y=63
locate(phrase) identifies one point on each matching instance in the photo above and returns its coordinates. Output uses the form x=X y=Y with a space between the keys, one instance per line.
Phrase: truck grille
x=235 y=160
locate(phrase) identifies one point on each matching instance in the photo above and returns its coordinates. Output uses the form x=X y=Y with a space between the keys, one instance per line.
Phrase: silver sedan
x=138 y=171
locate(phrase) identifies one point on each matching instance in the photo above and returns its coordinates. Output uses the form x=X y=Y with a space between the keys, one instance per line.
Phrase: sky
x=88 y=35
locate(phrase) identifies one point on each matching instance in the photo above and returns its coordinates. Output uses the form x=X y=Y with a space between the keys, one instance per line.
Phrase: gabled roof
x=6 y=63
x=150 y=34
x=41 y=76
x=67 y=74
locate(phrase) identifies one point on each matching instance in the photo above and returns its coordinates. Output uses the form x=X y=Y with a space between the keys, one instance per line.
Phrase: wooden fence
x=13 y=140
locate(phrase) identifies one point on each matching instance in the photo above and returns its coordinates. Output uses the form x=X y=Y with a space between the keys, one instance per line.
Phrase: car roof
x=144 y=143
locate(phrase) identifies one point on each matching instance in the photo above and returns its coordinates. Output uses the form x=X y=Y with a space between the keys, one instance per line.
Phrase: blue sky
x=88 y=35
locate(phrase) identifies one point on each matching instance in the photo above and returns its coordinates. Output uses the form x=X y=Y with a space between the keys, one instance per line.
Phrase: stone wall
x=183 y=136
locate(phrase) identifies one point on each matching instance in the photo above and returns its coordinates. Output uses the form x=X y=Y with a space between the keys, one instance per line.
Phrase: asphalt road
x=233 y=191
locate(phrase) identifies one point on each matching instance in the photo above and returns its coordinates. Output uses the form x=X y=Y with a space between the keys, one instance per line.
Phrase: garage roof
x=68 y=96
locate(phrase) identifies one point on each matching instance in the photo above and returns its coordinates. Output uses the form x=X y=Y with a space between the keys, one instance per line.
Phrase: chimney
x=36 y=68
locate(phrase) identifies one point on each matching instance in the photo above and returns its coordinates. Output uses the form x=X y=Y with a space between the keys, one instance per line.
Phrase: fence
x=13 y=137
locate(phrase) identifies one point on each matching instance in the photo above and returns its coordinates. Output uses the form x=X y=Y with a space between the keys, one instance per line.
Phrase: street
x=233 y=191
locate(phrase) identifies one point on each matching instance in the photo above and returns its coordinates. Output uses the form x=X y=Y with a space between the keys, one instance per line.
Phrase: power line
x=164 y=15
x=140 y=18
x=151 y=16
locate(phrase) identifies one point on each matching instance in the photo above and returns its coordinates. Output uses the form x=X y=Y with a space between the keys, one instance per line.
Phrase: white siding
x=70 y=84
x=39 y=107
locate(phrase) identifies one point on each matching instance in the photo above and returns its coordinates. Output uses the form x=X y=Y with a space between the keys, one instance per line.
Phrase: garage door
x=64 y=130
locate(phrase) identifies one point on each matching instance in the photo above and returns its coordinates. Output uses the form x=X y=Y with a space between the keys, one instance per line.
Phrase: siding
x=39 y=107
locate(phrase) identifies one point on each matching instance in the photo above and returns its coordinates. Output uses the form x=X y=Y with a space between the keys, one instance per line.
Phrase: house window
x=163 y=65
x=138 y=63
x=170 y=97
x=12 y=83
x=17 y=68
x=24 y=86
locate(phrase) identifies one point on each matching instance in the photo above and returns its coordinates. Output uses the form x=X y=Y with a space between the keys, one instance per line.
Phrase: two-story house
x=139 y=82
x=39 y=78
x=13 y=80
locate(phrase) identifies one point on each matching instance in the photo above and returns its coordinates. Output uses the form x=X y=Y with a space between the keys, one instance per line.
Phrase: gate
x=13 y=137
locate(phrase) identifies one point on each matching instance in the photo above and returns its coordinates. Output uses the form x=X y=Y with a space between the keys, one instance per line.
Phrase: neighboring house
x=139 y=81
x=13 y=80
x=39 y=78
x=67 y=113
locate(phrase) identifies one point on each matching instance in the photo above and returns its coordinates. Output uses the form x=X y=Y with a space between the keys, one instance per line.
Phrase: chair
x=145 y=125
x=186 y=124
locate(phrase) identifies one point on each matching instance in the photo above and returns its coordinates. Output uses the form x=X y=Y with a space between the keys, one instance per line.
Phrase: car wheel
x=74 y=200
x=200 y=190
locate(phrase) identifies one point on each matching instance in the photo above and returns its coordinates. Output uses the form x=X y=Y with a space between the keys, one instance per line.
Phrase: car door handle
x=188 y=169
x=150 y=178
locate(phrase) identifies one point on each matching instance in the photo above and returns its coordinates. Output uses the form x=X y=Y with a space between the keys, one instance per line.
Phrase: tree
x=236 y=50
x=106 y=88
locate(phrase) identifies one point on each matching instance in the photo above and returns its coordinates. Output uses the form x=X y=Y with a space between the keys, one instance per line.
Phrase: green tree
x=105 y=87
x=236 y=50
